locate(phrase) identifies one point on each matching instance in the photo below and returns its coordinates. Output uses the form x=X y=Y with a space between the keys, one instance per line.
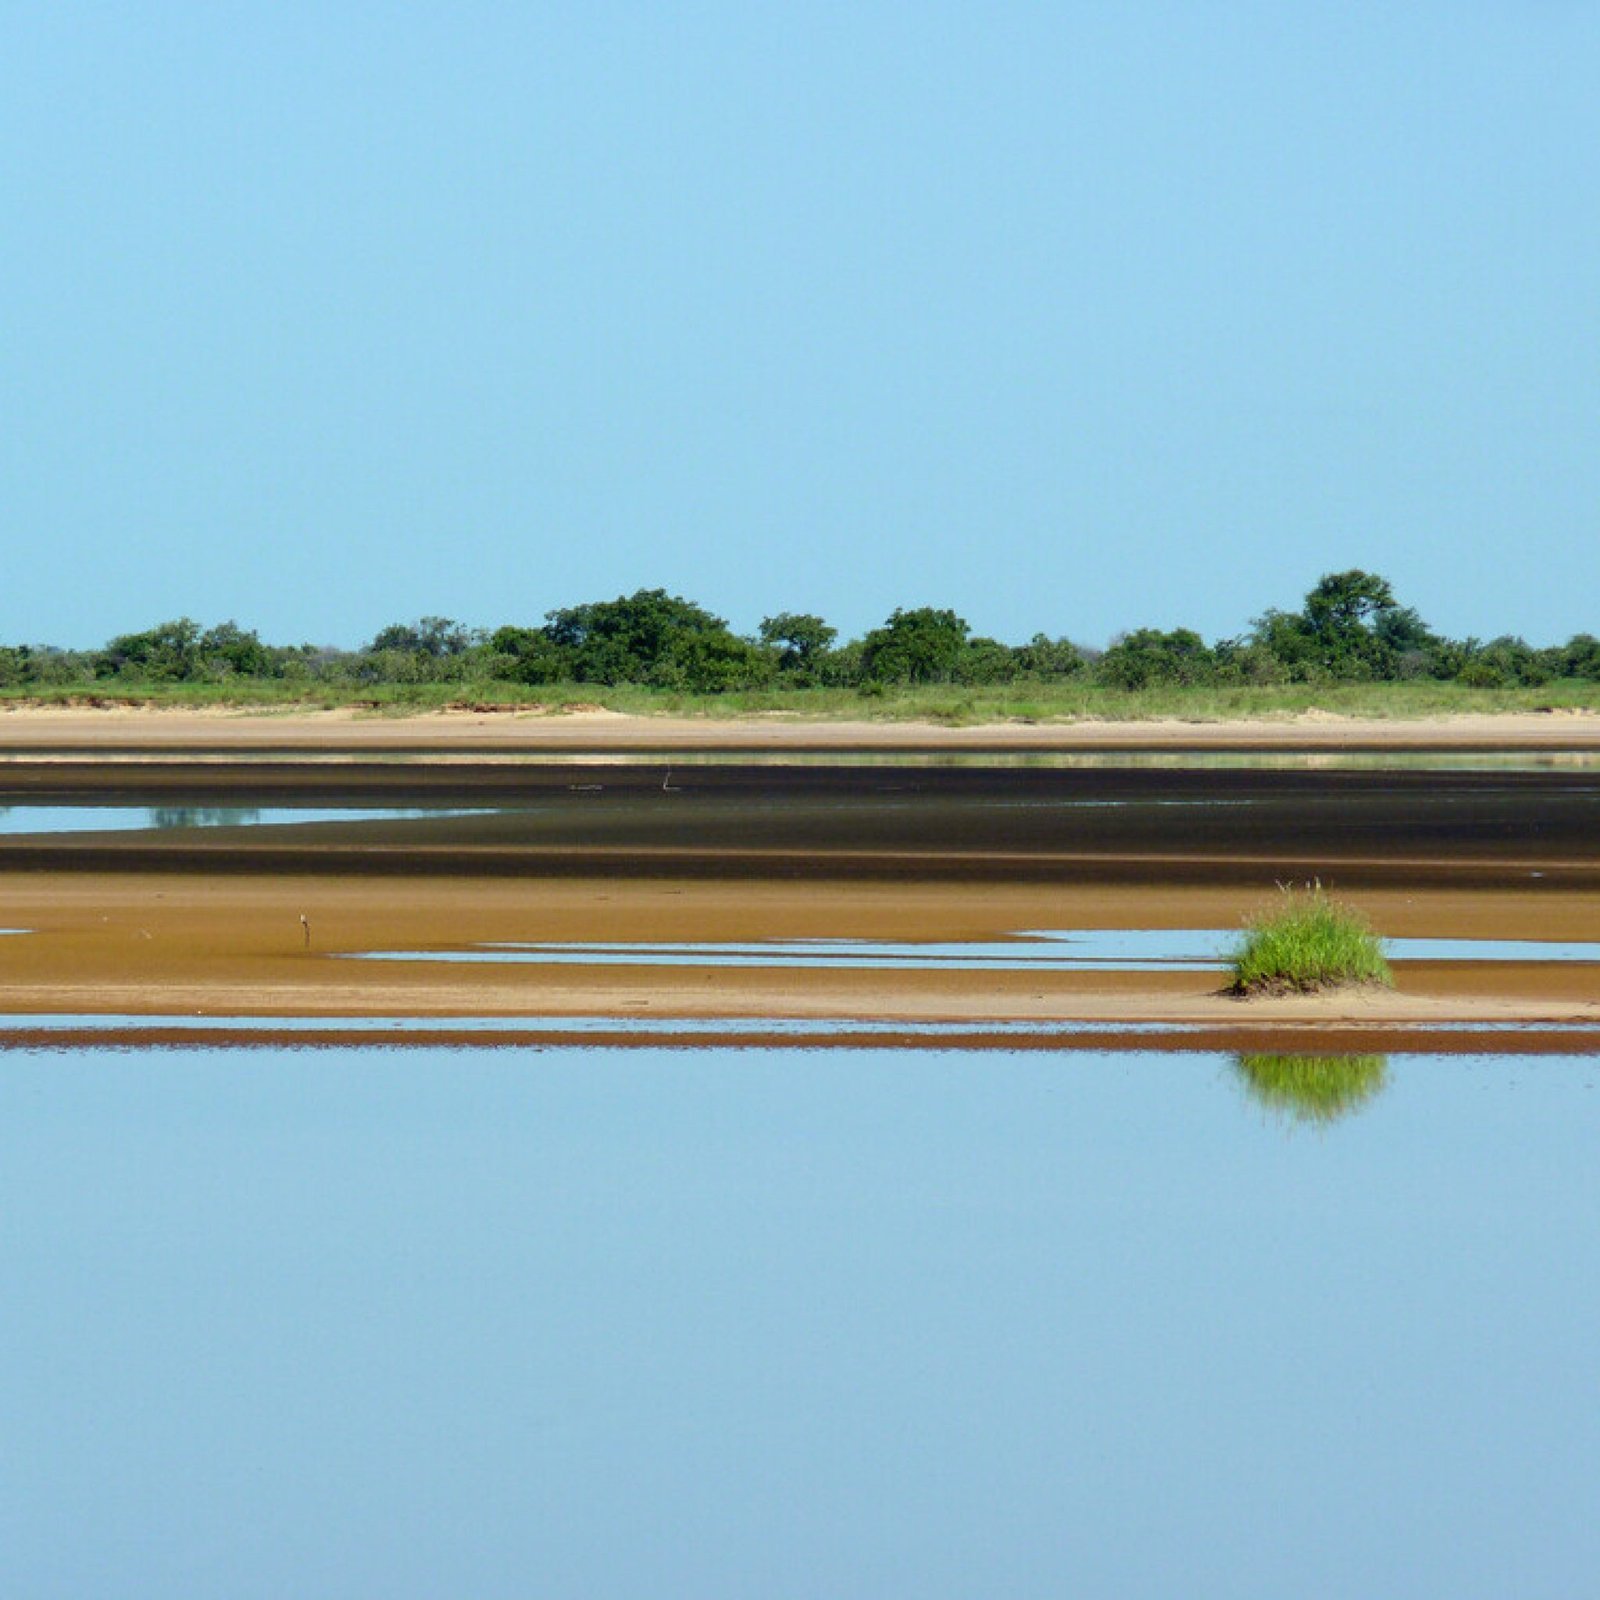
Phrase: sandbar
x=267 y=922
x=118 y=727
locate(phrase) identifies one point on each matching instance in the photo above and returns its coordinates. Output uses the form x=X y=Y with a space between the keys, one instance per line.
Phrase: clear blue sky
x=1073 y=317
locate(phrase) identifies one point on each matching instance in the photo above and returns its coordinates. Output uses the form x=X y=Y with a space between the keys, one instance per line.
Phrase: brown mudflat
x=209 y=920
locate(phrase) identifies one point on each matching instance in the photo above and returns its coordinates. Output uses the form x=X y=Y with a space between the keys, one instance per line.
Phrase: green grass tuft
x=1306 y=943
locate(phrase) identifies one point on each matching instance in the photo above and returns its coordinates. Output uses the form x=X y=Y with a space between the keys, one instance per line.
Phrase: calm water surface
x=796 y=1323
x=1061 y=950
x=31 y=819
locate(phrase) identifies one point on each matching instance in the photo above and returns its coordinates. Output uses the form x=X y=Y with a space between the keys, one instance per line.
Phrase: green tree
x=1246 y=661
x=1351 y=627
x=1506 y=663
x=800 y=640
x=168 y=653
x=987 y=661
x=656 y=639
x=716 y=662
x=230 y=648
x=1345 y=619
x=920 y=646
x=527 y=655
x=436 y=637
x=1151 y=656
x=1343 y=602
x=842 y=668
x=17 y=666
x=1580 y=657
x=1043 y=657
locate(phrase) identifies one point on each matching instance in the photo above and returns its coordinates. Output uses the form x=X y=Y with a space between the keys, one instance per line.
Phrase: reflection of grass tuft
x=1307 y=942
x=1316 y=1089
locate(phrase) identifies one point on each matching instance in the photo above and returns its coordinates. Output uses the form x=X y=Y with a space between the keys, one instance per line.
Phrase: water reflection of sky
x=414 y=1323
x=1077 y=949
x=30 y=819
x=94 y=818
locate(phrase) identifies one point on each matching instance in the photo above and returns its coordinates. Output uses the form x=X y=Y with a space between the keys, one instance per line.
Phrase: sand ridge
x=154 y=728
x=183 y=945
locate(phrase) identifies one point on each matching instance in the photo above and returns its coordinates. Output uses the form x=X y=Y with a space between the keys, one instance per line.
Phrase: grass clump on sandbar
x=1306 y=943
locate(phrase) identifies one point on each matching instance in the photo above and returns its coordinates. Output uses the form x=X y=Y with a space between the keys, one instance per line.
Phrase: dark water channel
x=796 y=1323
x=1092 y=826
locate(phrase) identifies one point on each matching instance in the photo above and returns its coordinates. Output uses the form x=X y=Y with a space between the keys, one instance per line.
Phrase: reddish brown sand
x=210 y=923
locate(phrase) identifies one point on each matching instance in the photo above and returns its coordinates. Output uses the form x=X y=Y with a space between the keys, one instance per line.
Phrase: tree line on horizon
x=1349 y=629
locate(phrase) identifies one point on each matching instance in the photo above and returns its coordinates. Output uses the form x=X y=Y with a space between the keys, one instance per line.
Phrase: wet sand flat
x=173 y=922
x=1128 y=828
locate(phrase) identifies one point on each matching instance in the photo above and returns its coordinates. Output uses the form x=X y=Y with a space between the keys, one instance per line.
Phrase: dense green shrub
x=437 y=638
x=1043 y=657
x=987 y=661
x=1507 y=662
x=653 y=638
x=1305 y=943
x=528 y=655
x=168 y=653
x=1580 y=657
x=17 y=666
x=1150 y=656
x=228 y=648
x=920 y=646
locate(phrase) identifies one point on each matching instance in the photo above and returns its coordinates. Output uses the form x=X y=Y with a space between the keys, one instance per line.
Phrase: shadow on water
x=1318 y=1090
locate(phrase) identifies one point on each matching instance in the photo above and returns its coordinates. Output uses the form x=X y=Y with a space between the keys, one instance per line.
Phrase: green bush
x=1307 y=942
x=1149 y=656
x=924 y=645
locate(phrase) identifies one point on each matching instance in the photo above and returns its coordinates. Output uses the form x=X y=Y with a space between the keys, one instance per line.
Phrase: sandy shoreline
x=208 y=921
x=153 y=945
x=146 y=728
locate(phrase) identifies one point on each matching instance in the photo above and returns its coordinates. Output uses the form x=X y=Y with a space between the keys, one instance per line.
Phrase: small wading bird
x=305 y=928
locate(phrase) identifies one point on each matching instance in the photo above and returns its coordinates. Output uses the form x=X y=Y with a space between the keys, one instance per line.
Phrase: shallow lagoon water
x=580 y=1322
x=27 y=819
x=1077 y=949
x=51 y=819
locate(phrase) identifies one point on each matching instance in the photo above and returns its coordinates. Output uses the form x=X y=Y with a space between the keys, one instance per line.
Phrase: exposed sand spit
x=115 y=944
x=594 y=728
